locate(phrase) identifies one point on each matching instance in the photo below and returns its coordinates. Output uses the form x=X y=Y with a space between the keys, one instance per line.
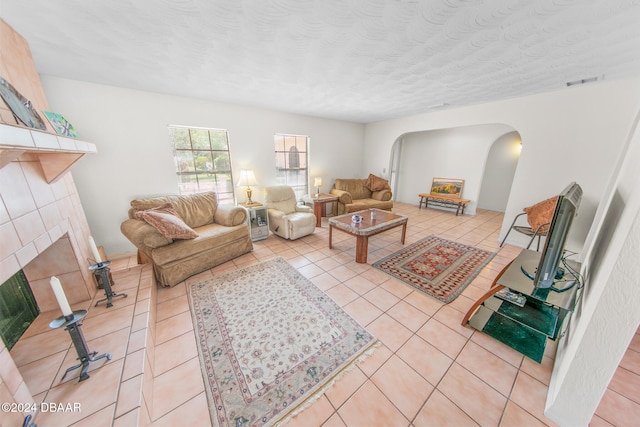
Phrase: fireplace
x=43 y=228
x=44 y=232
x=25 y=294
x=18 y=308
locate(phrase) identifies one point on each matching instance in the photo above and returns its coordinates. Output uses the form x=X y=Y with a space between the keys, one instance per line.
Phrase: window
x=202 y=161
x=292 y=162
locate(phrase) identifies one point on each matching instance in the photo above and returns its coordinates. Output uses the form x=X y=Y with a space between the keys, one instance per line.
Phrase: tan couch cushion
x=356 y=187
x=363 y=204
x=375 y=183
x=165 y=219
x=209 y=236
x=196 y=209
x=541 y=213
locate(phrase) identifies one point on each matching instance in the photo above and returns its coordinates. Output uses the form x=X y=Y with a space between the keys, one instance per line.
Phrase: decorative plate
x=60 y=124
x=20 y=106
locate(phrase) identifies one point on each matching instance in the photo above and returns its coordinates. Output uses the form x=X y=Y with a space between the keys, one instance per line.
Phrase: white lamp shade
x=317 y=182
x=247 y=178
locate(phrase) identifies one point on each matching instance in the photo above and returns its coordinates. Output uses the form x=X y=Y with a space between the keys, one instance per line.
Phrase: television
x=549 y=270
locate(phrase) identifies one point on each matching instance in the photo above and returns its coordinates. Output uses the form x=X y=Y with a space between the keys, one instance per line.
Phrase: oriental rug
x=438 y=267
x=269 y=341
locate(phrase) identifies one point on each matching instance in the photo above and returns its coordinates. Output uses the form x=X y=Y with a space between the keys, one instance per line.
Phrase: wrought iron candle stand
x=72 y=324
x=103 y=277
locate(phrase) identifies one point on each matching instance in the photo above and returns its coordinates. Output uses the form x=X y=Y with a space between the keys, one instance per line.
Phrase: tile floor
x=429 y=369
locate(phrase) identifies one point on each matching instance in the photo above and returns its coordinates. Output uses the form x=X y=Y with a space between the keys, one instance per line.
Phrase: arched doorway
x=485 y=156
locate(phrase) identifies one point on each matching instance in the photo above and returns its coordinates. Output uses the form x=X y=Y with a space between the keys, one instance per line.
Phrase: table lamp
x=247 y=178
x=317 y=182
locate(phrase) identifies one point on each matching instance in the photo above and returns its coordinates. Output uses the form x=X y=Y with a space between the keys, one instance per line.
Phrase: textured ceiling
x=358 y=60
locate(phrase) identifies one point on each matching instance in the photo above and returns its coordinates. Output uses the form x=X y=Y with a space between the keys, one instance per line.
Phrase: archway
x=482 y=155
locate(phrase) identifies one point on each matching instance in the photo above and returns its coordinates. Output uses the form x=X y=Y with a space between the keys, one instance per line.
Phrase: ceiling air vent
x=583 y=81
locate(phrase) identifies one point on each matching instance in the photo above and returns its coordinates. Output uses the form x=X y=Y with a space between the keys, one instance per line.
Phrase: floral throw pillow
x=166 y=220
x=375 y=183
x=541 y=213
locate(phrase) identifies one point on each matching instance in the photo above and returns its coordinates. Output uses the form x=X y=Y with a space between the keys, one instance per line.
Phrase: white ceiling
x=357 y=60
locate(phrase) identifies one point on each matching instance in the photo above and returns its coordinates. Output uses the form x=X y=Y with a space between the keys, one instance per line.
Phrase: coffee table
x=384 y=220
x=320 y=206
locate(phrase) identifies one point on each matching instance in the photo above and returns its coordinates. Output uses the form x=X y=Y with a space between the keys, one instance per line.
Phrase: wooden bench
x=443 y=201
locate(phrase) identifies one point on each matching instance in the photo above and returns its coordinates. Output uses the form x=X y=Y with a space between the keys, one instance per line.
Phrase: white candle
x=60 y=296
x=94 y=249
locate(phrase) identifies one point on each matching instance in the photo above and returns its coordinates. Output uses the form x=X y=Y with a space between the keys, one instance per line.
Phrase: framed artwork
x=60 y=124
x=447 y=187
x=20 y=106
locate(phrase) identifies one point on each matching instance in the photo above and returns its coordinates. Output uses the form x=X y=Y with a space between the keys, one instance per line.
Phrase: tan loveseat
x=356 y=195
x=207 y=234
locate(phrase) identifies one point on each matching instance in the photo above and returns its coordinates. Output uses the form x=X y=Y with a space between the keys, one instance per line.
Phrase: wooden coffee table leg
x=404 y=232
x=317 y=210
x=362 y=247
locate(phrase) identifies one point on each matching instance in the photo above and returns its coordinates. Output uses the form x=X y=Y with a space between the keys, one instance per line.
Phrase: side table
x=320 y=206
x=257 y=220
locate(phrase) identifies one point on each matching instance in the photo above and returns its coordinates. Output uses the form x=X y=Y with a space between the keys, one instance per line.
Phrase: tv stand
x=525 y=329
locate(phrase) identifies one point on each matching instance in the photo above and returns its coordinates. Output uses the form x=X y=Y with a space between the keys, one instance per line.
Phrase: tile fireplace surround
x=44 y=232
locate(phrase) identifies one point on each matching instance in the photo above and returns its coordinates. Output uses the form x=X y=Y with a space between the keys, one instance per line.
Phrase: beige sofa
x=356 y=195
x=201 y=235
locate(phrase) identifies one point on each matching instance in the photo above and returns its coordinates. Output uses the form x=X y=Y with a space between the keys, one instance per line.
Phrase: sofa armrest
x=275 y=214
x=344 y=197
x=307 y=209
x=142 y=235
x=229 y=215
x=382 y=195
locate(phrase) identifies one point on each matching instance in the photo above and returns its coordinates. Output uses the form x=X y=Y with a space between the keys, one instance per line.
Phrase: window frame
x=283 y=176
x=226 y=194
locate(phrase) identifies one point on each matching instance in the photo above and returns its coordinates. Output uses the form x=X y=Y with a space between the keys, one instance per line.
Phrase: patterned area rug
x=440 y=268
x=269 y=341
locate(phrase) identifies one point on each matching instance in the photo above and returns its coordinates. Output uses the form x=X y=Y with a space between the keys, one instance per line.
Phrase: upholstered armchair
x=286 y=218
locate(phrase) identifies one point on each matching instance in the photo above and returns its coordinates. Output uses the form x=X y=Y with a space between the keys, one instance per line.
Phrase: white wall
x=499 y=171
x=573 y=134
x=445 y=153
x=576 y=134
x=607 y=317
x=134 y=156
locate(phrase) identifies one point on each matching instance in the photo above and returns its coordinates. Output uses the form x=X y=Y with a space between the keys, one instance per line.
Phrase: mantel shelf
x=55 y=153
